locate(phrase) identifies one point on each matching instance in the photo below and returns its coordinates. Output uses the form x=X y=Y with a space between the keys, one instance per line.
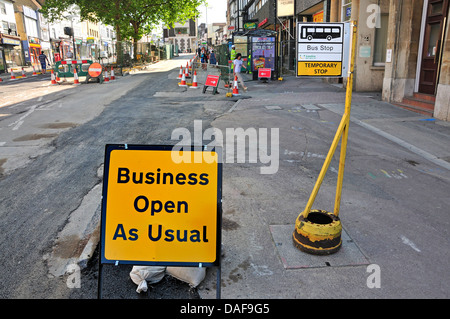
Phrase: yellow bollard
x=319 y=232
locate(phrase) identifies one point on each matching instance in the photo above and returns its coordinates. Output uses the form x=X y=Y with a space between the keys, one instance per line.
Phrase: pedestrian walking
x=212 y=57
x=203 y=58
x=238 y=65
x=43 y=59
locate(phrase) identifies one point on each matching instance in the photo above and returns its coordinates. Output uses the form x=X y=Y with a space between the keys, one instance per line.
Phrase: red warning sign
x=264 y=73
x=95 y=69
x=212 y=80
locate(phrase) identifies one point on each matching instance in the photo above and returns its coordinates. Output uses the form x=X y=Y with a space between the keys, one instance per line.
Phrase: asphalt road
x=40 y=194
x=393 y=208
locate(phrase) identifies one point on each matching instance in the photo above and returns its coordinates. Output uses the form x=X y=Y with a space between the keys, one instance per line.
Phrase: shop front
x=10 y=52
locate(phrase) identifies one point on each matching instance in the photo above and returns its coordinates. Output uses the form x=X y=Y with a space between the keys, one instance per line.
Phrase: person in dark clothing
x=43 y=58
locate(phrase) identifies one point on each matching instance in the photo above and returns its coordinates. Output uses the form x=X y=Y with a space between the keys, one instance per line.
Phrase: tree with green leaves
x=130 y=18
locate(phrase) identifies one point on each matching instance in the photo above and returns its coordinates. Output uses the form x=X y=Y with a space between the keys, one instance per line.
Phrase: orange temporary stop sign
x=95 y=69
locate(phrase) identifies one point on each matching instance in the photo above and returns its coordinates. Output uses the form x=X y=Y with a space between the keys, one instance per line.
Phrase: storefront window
x=380 y=46
x=13 y=56
x=346 y=10
x=2 y=63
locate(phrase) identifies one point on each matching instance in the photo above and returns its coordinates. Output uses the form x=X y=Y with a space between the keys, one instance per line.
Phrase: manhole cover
x=293 y=258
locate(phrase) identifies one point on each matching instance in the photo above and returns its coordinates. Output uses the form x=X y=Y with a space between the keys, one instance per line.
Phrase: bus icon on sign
x=320 y=32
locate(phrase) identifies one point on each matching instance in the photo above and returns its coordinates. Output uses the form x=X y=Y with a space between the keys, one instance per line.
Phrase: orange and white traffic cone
x=183 y=81
x=106 y=78
x=53 y=78
x=34 y=72
x=23 y=73
x=187 y=71
x=194 y=82
x=113 y=77
x=75 y=77
x=13 y=77
x=235 y=87
x=181 y=72
x=57 y=77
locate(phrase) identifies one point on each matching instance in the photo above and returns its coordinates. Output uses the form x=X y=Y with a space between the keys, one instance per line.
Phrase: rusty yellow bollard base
x=318 y=234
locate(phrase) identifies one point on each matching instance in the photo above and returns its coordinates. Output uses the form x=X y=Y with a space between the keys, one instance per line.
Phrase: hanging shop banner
x=320 y=49
x=285 y=8
x=161 y=206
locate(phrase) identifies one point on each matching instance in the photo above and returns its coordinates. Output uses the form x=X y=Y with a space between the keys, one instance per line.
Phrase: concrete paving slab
x=292 y=258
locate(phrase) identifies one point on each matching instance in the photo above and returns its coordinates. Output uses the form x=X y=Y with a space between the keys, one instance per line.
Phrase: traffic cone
x=13 y=77
x=75 y=77
x=235 y=87
x=194 y=82
x=181 y=72
x=187 y=71
x=106 y=78
x=183 y=81
x=113 y=77
x=57 y=77
x=34 y=72
x=1 y=80
x=53 y=78
x=23 y=73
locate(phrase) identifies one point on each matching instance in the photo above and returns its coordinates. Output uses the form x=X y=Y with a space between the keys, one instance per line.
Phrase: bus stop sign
x=321 y=49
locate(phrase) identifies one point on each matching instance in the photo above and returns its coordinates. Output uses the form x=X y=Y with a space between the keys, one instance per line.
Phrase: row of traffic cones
x=186 y=73
x=194 y=85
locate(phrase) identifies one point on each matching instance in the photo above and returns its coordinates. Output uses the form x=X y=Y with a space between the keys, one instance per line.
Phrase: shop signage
x=285 y=8
x=263 y=22
x=250 y=25
x=10 y=41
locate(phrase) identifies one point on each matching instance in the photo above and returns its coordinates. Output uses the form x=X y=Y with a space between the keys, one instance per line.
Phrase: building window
x=380 y=45
x=181 y=31
x=346 y=10
x=12 y=29
x=2 y=8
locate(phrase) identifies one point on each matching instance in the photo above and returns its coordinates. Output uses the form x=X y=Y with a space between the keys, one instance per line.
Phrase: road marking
x=406 y=241
x=19 y=122
x=2 y=144
x=432 y=158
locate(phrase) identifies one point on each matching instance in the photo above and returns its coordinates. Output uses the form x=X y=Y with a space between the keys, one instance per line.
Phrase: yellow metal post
x=348 y=106
x=342 y=131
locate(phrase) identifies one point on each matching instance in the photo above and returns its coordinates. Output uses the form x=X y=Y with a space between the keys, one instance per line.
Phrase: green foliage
x=132 y=18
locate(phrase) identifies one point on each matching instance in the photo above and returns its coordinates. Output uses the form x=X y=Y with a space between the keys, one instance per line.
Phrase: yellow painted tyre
x=319 y=233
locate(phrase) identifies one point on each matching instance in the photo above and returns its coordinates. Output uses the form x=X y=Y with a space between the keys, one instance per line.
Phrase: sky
x=216 y=11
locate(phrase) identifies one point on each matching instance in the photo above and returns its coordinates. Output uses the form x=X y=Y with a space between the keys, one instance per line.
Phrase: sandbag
x=140 y=275
x=192 y=275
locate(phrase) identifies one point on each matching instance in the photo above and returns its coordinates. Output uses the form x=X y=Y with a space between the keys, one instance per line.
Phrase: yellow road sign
x=318 y=68
x=159 y=207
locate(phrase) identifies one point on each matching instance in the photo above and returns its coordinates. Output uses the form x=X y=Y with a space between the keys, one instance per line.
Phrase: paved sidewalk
x=394 y=205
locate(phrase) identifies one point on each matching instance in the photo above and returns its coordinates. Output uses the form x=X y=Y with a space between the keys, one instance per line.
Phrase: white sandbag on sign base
x=140 y=275
x=192 y=275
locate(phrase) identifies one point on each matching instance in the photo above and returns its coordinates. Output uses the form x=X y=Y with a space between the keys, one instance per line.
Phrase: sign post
x=161 y=207
x=309 y=234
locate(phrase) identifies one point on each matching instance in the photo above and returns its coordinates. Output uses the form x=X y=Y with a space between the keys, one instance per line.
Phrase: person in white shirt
x=237 y=69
